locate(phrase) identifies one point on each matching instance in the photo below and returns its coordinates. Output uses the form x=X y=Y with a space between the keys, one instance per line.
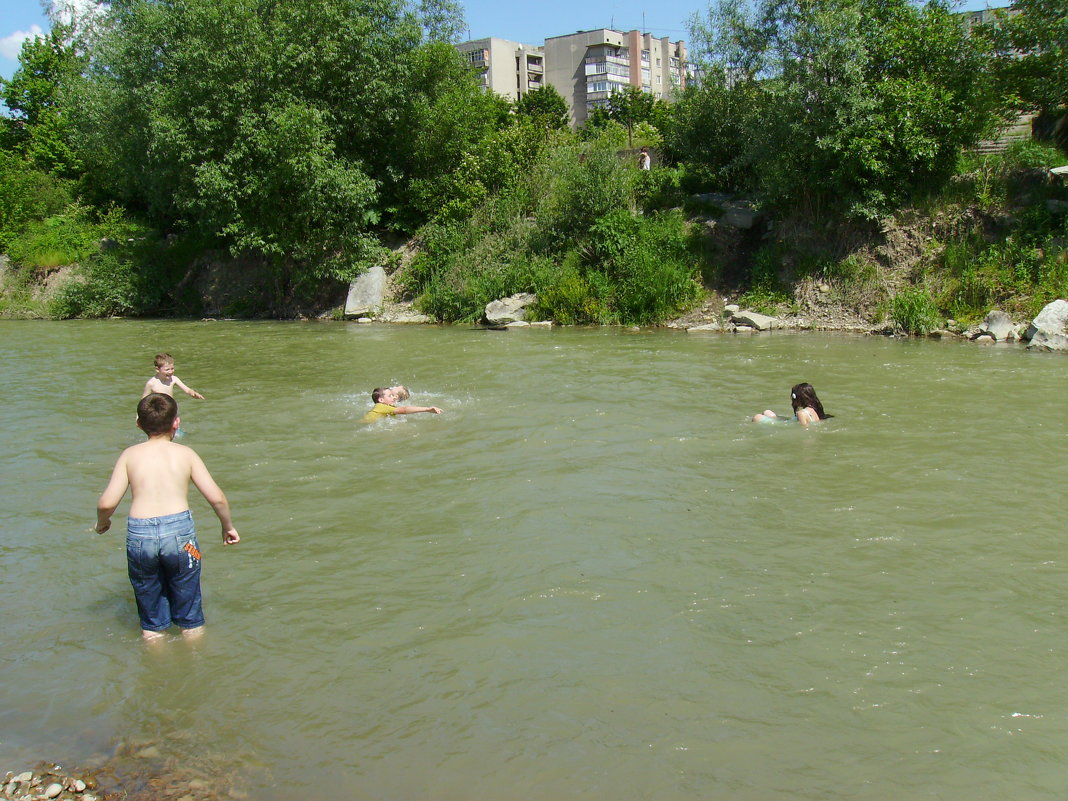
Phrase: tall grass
x=914 y=311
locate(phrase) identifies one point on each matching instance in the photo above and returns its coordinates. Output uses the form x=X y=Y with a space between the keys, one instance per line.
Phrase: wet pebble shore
x=46 y=783
x=134 y=771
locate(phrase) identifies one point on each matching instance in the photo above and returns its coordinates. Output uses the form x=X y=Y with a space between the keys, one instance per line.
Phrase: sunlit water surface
x=590 y=578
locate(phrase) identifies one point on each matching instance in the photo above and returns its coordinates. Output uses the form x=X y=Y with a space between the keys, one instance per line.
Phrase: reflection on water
x=589 y=578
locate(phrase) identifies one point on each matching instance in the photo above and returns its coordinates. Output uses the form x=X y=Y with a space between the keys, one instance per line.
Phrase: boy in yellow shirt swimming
x=385 y=399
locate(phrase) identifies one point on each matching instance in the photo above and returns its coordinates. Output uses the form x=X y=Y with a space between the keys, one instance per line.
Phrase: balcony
x=604 y=68
x=623 y=61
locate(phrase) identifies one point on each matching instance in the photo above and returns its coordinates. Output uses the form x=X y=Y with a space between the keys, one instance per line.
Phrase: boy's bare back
x=158 y=472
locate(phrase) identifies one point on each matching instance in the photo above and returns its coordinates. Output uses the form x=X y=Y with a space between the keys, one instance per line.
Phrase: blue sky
x=521 y=22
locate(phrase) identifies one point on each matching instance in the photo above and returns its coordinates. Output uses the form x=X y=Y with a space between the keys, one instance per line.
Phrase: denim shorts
x=163 y=559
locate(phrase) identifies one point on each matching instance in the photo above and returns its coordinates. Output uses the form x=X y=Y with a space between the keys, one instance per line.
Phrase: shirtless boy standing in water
x=162 y=554
x=165 y=380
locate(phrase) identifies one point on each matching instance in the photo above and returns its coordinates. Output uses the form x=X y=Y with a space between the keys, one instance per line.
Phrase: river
x=590 y=578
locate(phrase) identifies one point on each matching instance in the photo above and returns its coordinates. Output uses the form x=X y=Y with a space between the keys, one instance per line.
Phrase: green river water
x=590 y=578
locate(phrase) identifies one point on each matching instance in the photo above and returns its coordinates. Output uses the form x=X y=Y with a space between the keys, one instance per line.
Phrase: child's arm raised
x=212 y=494
x=191 y=392
x=416 y=409
x=109 y=500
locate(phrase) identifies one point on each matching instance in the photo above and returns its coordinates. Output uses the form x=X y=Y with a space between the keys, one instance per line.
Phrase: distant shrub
x=914 y=311
x=1018 y=274
x=27 y=195
x=766 y=292
x=107 y=285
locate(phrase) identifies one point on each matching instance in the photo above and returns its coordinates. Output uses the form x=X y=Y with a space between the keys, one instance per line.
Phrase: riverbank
x=133 y=771
x=919 y=271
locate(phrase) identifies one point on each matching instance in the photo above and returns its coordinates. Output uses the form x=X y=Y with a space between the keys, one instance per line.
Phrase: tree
x=629 y=106
x=286 y=129
x=448 y=116
x=38 y=126
x=846 y=106
x=545 y=108
x=1032 y=42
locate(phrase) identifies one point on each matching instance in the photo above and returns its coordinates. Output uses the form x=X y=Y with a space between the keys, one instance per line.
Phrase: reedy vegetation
x=300 y=135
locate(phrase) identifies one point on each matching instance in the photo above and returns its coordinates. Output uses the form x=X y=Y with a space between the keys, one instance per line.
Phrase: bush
x=26 y=194
x=766 y=292
x=580 y=187
x=573 y=296
x=105 y=286
x=567 y=230
x=69 y=237
x=914 y=311
x=1019 y=274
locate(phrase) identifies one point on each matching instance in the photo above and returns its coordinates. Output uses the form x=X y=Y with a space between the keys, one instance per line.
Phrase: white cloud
x=11 y=45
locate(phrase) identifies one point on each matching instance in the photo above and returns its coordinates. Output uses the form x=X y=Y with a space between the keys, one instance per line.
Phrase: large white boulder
x=1047 y=330
x=999 y=325
x=366 y=292
x=509 y=310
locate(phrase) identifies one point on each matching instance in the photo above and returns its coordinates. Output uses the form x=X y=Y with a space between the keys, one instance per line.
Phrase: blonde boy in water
x=162 y=554
x=164 y=381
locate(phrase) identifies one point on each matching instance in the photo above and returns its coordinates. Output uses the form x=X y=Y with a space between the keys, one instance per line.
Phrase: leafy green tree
x=838 y=105
x=287 y=129
x=545 y=107
x=448 y=115
x=1032 y=41
x=38 y=126
x=26 y=194
x=708 y=127
x=629 y=106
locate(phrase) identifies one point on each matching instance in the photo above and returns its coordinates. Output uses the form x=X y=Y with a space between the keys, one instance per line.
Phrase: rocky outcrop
x=760 y=322
x=509 y=310
x=998 y=325
x=366 y=293
x=402 y=313
x=1047 y=330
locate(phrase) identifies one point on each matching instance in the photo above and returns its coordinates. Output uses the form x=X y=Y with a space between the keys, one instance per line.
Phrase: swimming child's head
x=383 y=395
x=803 y=396
x=164 y=363
x=156 y=413
x=401 y=392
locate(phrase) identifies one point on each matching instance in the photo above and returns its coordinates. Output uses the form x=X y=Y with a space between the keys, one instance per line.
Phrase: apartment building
x=508 y=68
x=587 y=66
x=584 y=67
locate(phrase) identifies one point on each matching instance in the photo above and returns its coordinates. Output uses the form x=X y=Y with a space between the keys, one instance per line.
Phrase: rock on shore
x=48 y=782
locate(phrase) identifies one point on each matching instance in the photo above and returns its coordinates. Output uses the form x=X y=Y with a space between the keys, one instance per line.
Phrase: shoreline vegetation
x=936 y=270
x=834 y=167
